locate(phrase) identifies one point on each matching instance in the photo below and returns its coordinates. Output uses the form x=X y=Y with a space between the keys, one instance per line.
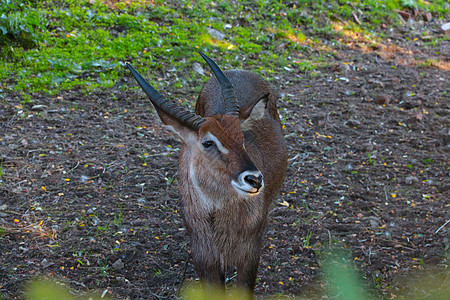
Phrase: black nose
x=254 y=181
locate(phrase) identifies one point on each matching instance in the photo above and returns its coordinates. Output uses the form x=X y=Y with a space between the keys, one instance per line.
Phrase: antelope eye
x=208 y=144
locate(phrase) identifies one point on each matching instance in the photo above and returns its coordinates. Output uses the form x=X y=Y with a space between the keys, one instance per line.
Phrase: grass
x=50 y=46
x=1 y=170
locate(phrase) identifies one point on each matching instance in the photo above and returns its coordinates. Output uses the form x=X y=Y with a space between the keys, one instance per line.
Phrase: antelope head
x=216 y=161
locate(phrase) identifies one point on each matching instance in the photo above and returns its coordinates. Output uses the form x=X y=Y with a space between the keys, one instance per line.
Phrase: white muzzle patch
x=249 y=183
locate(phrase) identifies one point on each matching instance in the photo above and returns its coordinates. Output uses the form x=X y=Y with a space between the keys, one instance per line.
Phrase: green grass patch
x=49 y=46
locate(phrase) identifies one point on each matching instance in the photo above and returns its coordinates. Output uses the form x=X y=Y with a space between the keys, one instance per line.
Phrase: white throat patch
x=205 y=201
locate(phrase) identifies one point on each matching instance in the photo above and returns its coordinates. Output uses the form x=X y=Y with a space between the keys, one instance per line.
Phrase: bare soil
x=88 y=191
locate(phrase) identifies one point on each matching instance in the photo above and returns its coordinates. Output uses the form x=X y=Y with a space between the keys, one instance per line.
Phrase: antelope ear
x=183 y=131
x=259 y=108
x=255 y=112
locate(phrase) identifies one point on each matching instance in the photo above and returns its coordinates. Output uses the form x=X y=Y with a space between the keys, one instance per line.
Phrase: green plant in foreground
x=344 y=282
x=307 y=239
x=157 y=272
x=118 y=219
x=341 y=277
x=47 y=290
x=1 y=169
x=371 y=162
x=52 y=290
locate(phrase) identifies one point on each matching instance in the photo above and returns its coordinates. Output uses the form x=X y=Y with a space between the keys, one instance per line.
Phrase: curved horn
x=187 y=118
x=229 y=95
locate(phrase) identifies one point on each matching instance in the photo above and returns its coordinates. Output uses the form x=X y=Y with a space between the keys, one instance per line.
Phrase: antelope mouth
x=252 y=192
x=246 y=191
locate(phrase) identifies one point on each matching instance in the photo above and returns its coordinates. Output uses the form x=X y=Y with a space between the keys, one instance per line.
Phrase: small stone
x=197 y=68
x=344 y=68
x=118 y=265
x=367 y=147
x=405 y=16
x=84 y=178
x=446 y=139
x=38 y=107
x=122 y=280
x=45 y=264
x=427 y=17
x=446 y=28
x=411 y=180
x=216 y=34
x=374 y=222
x=382 y=99
x=338 y=56
x=396 y=80
x=445 y=187
x=377 y=83
x=352 y=123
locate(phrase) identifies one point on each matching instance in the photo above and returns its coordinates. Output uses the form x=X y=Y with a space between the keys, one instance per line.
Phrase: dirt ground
x=88 y=191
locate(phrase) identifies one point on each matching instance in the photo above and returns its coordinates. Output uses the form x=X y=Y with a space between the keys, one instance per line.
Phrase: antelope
x=231 y=167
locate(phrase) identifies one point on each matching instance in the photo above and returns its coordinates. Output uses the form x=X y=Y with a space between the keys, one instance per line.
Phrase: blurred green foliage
x=45 y=289
x=341 y=278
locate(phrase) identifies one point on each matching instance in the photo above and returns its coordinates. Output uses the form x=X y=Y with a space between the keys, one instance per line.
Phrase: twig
x=329 y=239
x=13 y=212
x=277 y=208
x=183 y=277
x=370 y=254
x=78 y=163
x=376 y=59
x=442 y=226
x=11 y=230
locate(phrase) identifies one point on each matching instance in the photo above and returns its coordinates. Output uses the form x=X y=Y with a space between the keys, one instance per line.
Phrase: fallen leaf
x=419 y=116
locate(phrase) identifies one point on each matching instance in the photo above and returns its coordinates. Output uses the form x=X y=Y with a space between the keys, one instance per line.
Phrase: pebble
x=378 y=83
x=352 y=123
x=374 y=222
x=84 y=178
x=216 y=34
x=382 y=99
x=197 y=68
x=45 y=264
x=118 y=265
x=367 y=147
x=446 y=139
x=446 y=28
x=411 y=180
x=38 y=107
